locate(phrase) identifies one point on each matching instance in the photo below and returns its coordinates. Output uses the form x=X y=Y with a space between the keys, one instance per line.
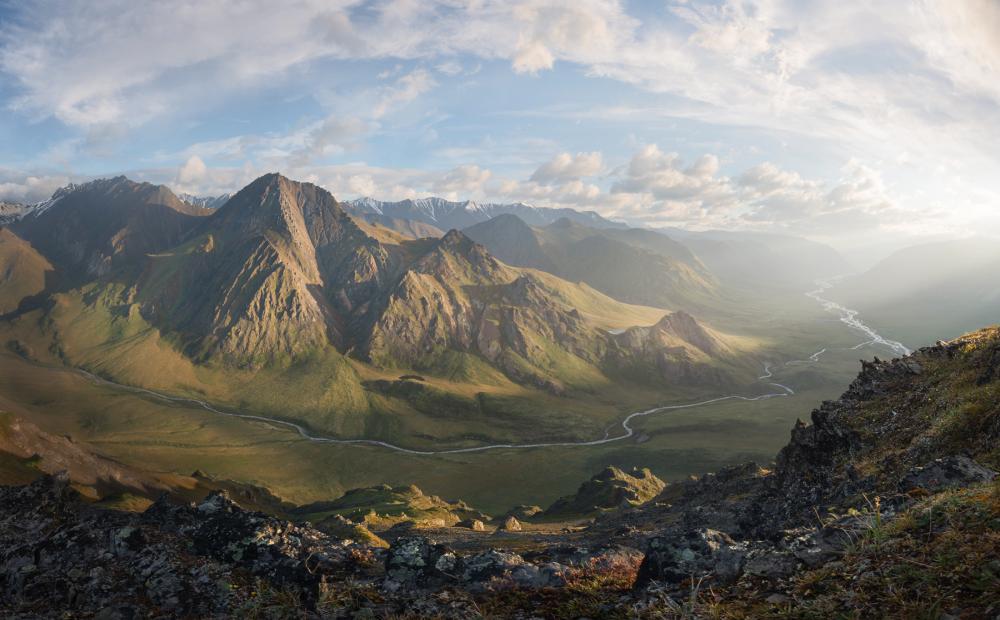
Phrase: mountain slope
x=508 y=238
x=641 y=267
x=928 y=292
x=23 y=271
x=887 y=505
x=87 y=230
x=11 y=212
x=412 y=229
x=241 y=289
x=281 y=303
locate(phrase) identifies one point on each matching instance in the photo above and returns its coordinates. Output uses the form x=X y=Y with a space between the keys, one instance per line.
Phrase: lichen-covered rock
x=948 y=472
x=414 y=561
x=697 y=554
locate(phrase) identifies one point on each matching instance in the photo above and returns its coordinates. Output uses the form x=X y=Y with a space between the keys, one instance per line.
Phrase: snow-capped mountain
x=205 y=202
x=448 y=214
x=11 y=211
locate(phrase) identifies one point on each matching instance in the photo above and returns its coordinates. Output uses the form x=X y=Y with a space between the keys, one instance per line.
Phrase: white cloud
x=18 y=187
x=193 y=171
x=565 y=167
x=361 y=185
x=864 y=78
x=462 y=182
x=664 y=176
x=406 y=89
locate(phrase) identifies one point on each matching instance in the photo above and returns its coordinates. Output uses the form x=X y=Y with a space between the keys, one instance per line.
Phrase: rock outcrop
x=610 y=489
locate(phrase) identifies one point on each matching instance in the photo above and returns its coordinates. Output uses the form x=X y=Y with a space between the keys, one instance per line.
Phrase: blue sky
x=837 y=120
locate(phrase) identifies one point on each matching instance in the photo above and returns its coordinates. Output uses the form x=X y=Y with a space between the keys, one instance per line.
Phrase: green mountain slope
x=23 y=271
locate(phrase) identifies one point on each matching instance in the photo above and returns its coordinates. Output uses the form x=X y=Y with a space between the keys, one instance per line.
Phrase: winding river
x=847 y=316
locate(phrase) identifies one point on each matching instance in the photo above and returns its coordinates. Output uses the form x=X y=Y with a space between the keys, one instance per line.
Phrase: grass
x=940 y=556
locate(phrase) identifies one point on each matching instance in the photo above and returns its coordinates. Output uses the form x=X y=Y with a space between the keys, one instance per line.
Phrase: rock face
x=414 y=562
x=696 y=554
x=201 y=560
x=946 y=473
x=473 y=524
x=887 y=440
x=59 y=554
x=11 y=212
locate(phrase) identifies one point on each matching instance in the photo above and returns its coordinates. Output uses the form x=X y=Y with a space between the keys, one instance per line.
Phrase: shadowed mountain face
x=88 y=230
x=635 y=266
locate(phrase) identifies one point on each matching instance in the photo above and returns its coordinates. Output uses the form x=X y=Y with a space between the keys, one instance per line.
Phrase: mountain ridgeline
x=282 y=280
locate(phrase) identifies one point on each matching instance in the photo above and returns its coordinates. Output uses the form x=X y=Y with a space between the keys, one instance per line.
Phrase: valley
x=146 y=431
x=281 y=341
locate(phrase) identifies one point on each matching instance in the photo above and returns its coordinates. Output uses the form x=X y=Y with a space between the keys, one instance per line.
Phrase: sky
x=848 y=121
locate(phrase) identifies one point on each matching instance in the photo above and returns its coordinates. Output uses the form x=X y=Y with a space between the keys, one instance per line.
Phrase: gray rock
x=772 y=564
x=946 y=473
x=696 y=554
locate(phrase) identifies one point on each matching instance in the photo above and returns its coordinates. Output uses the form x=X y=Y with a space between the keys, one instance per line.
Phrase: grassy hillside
x=180 y=437
x=23 y=271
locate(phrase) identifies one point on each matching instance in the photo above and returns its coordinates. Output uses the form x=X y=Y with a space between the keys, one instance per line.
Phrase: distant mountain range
x=763 y=261
x=446 y=214
x=205 y=202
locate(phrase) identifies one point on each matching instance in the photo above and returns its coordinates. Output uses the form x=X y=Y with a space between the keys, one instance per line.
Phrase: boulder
x=473 y=524
x=510 y=524
x=696 y=554
x=946 y=473
x=413 y=561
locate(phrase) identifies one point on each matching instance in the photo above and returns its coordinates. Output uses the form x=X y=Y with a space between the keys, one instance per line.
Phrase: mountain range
x=447 y=214
x=282 y=286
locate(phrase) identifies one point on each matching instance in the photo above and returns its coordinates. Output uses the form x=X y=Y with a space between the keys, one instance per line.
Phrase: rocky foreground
x=887 y=505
